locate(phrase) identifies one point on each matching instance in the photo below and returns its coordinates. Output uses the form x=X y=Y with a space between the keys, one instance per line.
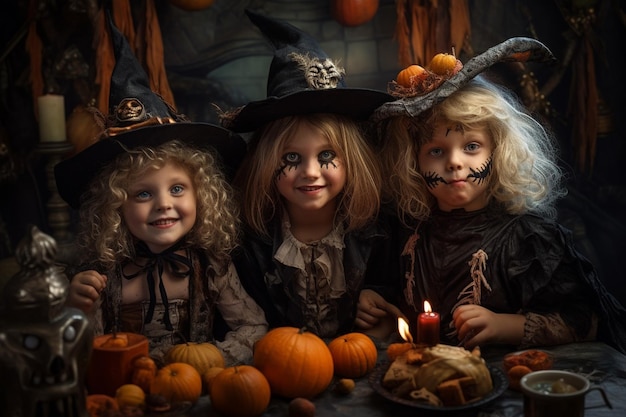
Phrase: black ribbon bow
x=180 y=267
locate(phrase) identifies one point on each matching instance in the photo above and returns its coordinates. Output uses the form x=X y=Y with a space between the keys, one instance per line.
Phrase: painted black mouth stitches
x=432 y=179
x=482 y=173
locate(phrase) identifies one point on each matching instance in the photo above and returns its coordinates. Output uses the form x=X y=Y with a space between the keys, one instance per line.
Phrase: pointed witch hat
x=140 y=117
x=302 y=80
x=518 y=49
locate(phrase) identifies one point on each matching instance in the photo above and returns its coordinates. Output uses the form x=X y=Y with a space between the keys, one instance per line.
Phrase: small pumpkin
x=443 y=64
x=240 y=391
x=354 y=355
x=201 y=356
x=208 y=376
x=177 y=382
x=353 y=12
x=144 y=371
x=296 y=363
x=411 y=75
x=116 y=340
x=100 y=405
x=130 y=395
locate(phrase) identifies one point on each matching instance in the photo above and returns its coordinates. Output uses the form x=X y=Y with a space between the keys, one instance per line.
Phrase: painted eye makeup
x=326 y=158
x=291 y=158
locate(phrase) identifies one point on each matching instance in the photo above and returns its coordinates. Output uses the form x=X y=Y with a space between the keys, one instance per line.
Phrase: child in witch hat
x=158 y=222
x=310 y=189
x=479 y=190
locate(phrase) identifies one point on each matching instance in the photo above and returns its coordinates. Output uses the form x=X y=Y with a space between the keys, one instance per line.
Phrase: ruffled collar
x=325 y=255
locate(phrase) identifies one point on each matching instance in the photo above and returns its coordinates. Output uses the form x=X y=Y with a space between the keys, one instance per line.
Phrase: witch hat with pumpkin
x=414 y=99
x=140 y=117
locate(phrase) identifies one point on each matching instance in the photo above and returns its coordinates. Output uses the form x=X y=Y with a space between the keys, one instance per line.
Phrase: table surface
x=601 y=364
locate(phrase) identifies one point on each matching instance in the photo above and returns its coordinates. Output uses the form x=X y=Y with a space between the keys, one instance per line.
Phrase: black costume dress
x=508 y=264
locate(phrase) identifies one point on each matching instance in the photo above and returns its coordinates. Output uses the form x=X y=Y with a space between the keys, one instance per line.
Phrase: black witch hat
x=302 y=80
x=140 y=117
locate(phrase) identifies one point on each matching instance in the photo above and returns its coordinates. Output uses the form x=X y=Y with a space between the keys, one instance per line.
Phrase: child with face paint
x=478 y=186
x=310 y=190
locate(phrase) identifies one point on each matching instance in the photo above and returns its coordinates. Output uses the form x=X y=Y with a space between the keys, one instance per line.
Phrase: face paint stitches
x=476 y=175
x=479 y=175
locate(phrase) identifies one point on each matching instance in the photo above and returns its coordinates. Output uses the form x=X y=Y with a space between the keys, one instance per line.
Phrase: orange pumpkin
x=295 y=362
x=442 y=64
x=116 y=340
x=100 y=405
x=144 y=371
x=411 y=75
x=201 y=356
x=353 y=12
x=240 y=391
x=208 y=376
x=177 y=382
x=354 y=355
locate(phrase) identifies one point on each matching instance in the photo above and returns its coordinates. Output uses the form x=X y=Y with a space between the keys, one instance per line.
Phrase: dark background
x=215 y=56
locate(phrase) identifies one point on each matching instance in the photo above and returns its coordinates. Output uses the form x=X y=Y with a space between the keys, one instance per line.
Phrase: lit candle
x=51 y=118
x=396 y=349
x=428 y=326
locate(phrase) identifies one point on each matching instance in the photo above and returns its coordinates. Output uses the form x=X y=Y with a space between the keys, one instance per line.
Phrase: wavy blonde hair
x=256 y=180
x=105 y=238
x=525 y=176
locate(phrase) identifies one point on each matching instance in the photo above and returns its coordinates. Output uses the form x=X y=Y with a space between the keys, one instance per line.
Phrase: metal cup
x=541 y=401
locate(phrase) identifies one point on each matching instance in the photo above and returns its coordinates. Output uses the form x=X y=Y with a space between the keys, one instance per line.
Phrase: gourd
x=296 y=363
x=130 y=395
x=353 y=12
x=411 y=75
x=177 y=382
x=240 y=391
x=354 y=355
x=443 y=64
x=201 y=356
x=144 y=371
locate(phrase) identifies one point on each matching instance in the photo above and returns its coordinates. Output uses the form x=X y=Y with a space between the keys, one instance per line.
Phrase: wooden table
x=603 y=365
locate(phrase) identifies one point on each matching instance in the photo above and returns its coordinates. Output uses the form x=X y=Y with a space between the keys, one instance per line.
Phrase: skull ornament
x=320 y=74
x=44 y=346
x=130 y=110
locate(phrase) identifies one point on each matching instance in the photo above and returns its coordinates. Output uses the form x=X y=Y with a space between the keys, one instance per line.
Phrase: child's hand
x=375 y=316
x=85 y=290
x=477 y=326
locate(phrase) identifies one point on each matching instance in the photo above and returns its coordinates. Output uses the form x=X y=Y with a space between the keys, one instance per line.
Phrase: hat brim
x=74 y=174
x=357 y=103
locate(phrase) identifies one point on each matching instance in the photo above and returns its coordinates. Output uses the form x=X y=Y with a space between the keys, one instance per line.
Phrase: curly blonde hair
x=256 y=180
x=105 y=238
x=525 y=178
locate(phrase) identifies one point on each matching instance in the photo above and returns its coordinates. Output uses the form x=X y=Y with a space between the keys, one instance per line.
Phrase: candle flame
x=403 y=329
x=427 y=307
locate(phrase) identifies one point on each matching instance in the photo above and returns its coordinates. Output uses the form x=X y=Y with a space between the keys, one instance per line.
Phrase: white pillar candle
x=51 y=118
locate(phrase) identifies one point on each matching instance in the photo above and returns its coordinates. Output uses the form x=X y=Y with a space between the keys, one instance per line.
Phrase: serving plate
x=500 y=384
